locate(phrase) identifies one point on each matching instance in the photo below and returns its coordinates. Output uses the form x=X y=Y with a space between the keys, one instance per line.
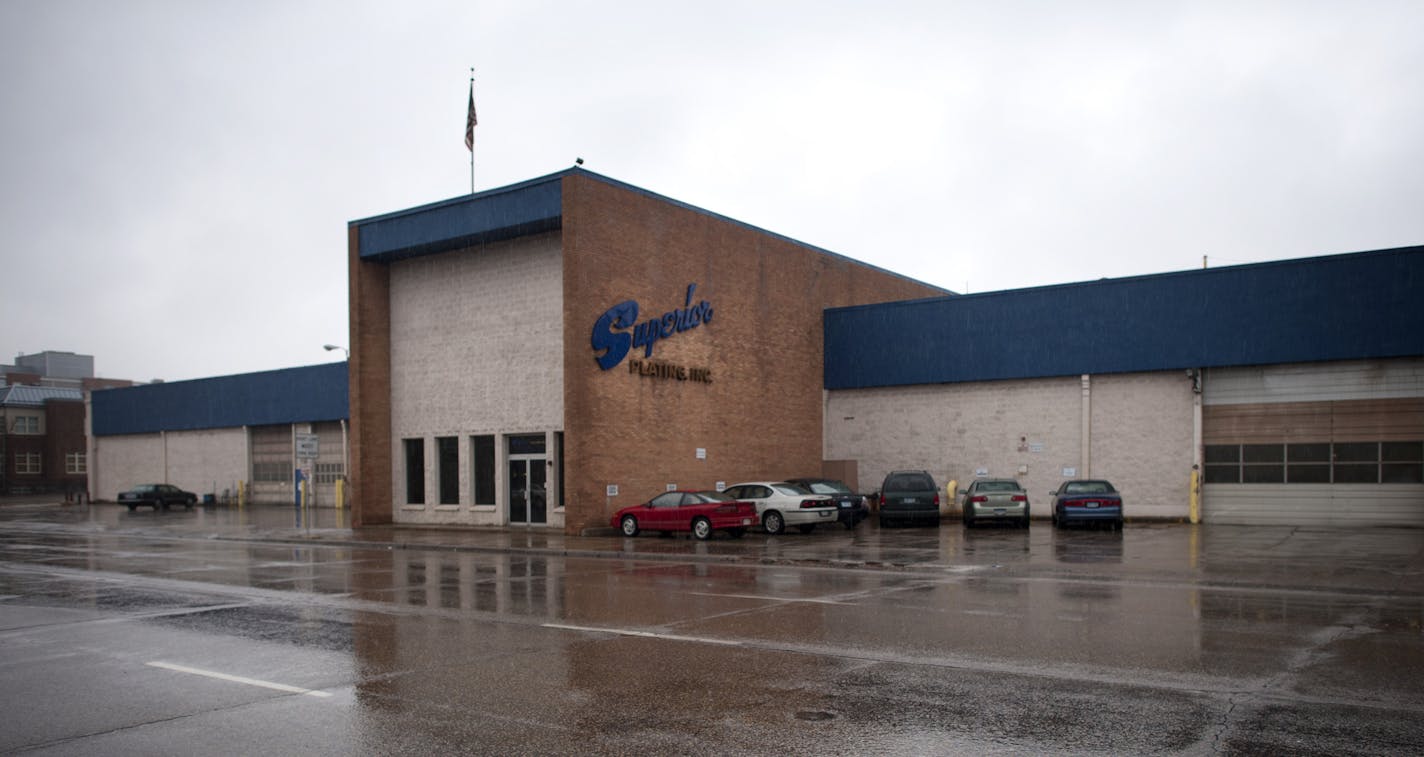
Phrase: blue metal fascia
x=290 y=395
x=530 y=207
x=1339 y=307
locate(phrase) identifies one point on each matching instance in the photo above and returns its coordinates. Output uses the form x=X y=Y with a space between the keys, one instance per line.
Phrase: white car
x=780 y=504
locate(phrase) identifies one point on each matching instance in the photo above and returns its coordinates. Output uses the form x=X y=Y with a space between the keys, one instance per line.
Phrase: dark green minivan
x=909 y=496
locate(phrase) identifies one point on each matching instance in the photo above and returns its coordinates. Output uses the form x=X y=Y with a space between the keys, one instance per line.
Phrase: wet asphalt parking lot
x=268 y=630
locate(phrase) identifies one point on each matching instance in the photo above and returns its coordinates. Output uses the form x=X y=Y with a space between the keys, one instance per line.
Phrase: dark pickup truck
x=157 y=496
x=1087 y=502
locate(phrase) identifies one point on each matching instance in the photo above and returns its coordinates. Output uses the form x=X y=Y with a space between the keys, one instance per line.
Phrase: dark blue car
x=1087 y=501
x=850 y=507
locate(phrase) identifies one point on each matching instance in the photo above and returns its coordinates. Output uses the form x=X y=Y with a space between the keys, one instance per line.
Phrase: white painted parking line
x=237 y=679
x=644 y=634
x=765 y=598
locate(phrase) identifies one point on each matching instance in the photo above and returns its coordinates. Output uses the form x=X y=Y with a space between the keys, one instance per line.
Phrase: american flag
x=470 y=121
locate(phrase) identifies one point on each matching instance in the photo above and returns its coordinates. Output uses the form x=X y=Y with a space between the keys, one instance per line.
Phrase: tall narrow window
x=482 y=468
x=75 y=463
x=559 y=495
x=415 y=471
x=447 y=451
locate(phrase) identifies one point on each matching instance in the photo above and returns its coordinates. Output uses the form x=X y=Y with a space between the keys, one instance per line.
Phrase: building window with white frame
x=76 y=463
x=25 y=424
x=27 y=463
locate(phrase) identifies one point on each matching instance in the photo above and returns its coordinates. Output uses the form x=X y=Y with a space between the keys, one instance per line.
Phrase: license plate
x=910 y=501
x=746 y=521
x=845 y=505
x=998 y=511
x=826 y=514
x=1090 y=504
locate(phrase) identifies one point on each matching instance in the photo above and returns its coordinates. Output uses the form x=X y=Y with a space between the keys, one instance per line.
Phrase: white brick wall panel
x=476 y=348
x=207 y=461
x=1142 y=440
x=1141 y=434
x=124 y=461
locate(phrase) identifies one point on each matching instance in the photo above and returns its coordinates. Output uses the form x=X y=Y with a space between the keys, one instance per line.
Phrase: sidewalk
x=832 y=546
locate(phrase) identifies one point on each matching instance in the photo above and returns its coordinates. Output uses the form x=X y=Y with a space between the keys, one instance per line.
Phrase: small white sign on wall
x=1070 y=472
x=701 y=453
x=981 y=472
x=721 y=485
x=613 y=490
x=1035 y=446
x=672 y=487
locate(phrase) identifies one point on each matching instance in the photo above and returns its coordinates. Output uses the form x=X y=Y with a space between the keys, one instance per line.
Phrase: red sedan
x=698 y=512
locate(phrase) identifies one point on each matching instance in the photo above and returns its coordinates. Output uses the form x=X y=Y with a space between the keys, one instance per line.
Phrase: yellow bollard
x=340 y=493
x=1194 y=506
x=241 y=493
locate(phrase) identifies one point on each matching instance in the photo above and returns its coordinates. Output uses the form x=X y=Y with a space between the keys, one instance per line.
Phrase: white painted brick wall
x=953 y=429
x=476 y=348
x=1142 y=440
x=207 y=461
x=1141 y=434
x=196 y=460
x=123 y=461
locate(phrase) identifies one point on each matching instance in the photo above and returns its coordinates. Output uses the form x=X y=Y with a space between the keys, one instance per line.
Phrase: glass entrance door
x=528 y=495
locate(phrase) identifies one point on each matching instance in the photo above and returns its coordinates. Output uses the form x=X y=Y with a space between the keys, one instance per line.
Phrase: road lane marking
x=237 y=679
x=644 y=634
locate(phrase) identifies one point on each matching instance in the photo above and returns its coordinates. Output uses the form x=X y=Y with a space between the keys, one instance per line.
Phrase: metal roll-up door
x=1316 y=445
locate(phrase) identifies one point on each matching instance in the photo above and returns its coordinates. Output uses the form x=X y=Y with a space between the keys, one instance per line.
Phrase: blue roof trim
x=530 y=207
x=291 y=395
x=1338 y=307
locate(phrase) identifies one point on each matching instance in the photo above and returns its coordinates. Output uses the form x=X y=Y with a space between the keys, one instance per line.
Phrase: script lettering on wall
x=612 y=340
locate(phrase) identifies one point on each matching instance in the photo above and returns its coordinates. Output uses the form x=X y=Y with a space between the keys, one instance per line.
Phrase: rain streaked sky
x=178 y=176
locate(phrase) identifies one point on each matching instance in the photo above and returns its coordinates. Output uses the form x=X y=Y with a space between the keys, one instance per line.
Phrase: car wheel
x=737 y=533
x=1118 y=524
x=773 y=522
x=132 y=508
x=806 y=528
x=702 y=529
x=968 y=522
x=1023 y=522
x=629 y=525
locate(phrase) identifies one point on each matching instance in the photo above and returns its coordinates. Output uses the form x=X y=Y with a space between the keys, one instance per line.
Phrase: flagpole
x=470 y=117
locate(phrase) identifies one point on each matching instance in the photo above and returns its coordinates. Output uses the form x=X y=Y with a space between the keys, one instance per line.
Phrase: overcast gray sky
x=177 y=176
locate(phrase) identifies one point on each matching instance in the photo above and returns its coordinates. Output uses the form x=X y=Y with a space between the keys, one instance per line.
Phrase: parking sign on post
x=307 y=446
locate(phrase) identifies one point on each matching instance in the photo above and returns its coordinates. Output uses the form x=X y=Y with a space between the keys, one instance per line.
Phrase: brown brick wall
x=761 y=415
x=369 y=370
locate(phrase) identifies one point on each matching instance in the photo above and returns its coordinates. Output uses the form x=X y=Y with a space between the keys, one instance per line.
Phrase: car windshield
x=714 y=497
x=997 y=486
x=909 y=482
x=829 y=487
x=791 y=490
x=1087 y=487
